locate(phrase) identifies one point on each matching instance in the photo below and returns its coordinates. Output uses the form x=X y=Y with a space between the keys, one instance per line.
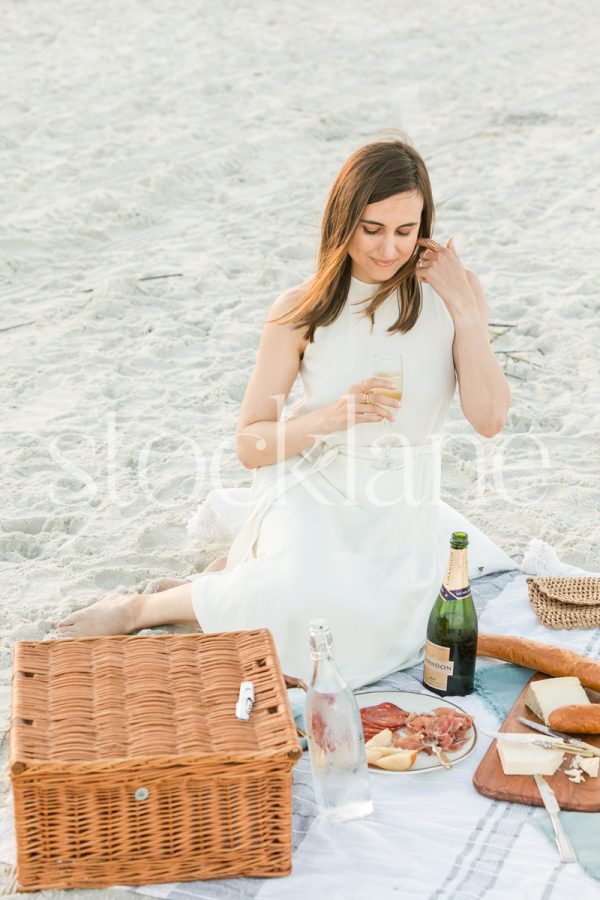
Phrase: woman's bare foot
x=114 y=614
x=217 y=565
x=123 y=613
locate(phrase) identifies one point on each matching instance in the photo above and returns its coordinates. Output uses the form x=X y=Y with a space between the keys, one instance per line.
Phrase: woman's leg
x=163 y=584
x=217 y=564
x=123 y=613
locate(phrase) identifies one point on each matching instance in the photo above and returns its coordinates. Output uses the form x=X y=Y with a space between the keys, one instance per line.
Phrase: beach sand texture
x=198 y=141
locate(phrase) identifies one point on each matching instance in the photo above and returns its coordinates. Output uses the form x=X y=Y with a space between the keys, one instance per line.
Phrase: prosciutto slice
x=445 y=726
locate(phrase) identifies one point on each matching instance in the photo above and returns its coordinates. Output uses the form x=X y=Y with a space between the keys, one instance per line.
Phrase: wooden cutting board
x=490 y=780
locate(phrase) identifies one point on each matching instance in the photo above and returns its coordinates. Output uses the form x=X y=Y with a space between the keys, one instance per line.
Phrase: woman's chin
x=383 y=274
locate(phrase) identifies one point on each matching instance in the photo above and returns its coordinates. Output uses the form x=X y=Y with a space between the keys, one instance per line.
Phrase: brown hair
x=375 y=171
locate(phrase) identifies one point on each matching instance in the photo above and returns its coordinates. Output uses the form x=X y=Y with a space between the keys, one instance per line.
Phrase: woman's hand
x=443 y=270
x=360 y=404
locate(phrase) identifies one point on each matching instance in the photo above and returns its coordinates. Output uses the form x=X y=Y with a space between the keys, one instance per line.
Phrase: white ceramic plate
x=423 y=703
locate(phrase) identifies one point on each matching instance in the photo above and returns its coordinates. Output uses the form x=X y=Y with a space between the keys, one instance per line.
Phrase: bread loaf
x=576 y=719
x=542 y=657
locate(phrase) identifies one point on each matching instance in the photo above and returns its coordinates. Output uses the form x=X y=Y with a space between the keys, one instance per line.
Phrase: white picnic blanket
x=432 y=835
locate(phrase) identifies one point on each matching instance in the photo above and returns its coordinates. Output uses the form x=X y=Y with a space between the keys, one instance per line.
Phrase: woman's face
x=385 y=236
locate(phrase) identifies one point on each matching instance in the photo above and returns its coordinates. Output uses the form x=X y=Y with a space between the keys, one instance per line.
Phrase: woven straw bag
x=566 y=602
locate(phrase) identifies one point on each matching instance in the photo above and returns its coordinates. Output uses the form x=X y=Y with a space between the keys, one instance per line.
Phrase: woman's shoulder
x=289 y=298
x=434 y=313
x=284 y=304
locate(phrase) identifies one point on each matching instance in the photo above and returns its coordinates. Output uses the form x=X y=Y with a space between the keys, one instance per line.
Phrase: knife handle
x=595 y=751
x=565 y=847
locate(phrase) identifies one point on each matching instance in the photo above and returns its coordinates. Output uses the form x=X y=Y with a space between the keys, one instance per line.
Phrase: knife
x=565 y=847
x=548 y=743
x=566 y=738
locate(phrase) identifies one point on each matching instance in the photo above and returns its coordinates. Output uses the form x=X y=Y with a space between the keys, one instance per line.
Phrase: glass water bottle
x=335 y=737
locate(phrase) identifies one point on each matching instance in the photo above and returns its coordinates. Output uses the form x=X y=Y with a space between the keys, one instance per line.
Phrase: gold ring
x=433 y=245
x=366 y=397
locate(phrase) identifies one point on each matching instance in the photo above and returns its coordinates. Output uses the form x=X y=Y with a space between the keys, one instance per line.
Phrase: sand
x=164 y=172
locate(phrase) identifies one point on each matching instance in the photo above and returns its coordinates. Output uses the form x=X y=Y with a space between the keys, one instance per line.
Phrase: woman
x=330 y=533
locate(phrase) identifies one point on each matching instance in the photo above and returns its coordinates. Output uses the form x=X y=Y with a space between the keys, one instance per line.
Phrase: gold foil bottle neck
x=457 y=573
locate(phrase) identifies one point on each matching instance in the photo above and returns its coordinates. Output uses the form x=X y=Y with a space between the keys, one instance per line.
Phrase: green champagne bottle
x=451 y=646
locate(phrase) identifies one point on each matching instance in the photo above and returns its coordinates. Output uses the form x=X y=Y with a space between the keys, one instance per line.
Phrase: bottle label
x=458 y=594
x=437 y=666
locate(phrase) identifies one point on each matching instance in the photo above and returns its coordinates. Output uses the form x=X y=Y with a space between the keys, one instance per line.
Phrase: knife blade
x=565 y=847
x=566 y=738
x=548 y=743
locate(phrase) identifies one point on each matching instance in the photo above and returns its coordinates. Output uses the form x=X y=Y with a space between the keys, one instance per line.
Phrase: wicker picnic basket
x=129 y=766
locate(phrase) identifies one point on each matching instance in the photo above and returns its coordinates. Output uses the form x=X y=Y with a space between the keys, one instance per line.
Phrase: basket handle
x=291 y=682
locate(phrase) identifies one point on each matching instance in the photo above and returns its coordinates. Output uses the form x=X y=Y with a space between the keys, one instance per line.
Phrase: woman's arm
x=484 y=390
x=266 y=442
x=261 y=438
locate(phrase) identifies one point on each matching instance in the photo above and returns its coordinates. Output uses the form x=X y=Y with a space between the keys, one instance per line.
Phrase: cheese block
x=548 y=694
x=527 y=759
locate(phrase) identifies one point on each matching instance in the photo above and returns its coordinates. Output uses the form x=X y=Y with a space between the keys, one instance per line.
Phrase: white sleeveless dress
x=327 y=534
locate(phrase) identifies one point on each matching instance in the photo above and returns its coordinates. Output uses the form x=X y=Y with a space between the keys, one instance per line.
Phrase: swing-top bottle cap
x=459 y=540
x=320 y=637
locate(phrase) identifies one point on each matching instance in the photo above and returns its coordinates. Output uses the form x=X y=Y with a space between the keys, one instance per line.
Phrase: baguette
x=543 y=657
x=576 y=719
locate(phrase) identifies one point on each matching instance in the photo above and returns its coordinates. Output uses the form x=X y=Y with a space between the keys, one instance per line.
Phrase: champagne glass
x=388 y=366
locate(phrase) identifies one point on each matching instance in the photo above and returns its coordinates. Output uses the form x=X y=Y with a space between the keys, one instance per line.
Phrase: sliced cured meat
x=410 y=742
x=445 y=726
x=455 y=713
x=370 y=729
x=388 y=715
x=384 y=715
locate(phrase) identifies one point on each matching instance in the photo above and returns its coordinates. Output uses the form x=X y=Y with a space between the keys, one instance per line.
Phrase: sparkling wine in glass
x=388 y=366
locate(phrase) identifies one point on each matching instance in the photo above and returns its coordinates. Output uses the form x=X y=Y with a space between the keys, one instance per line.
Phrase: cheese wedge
x=527 y=759
x=589 y=764
x=546 y=695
